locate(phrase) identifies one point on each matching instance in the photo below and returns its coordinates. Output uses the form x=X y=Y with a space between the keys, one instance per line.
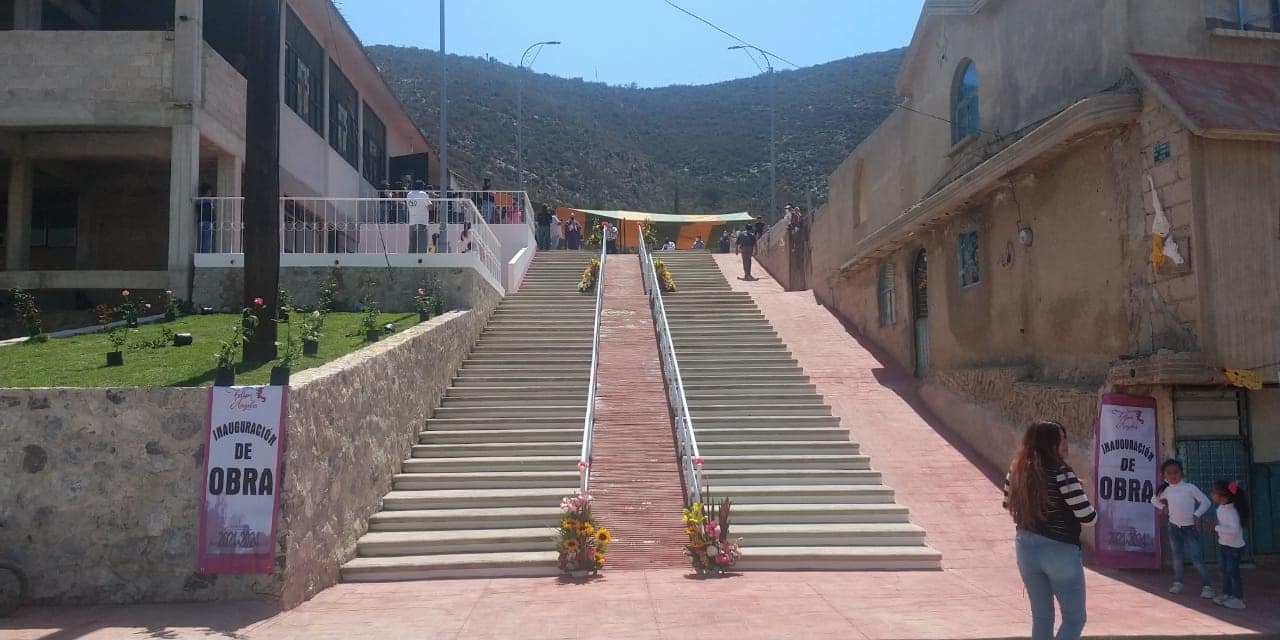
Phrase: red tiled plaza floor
x=977 y=595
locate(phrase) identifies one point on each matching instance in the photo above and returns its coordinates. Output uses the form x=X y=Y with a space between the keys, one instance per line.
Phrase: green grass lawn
x=81 y=361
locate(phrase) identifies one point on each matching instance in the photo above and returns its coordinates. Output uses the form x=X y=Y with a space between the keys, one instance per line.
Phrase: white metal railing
x=355 y=225
x=588 y=424
x=219 y=225
x=497 y=207
x=687 y=440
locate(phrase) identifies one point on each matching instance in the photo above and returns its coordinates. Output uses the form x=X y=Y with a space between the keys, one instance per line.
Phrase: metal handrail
x=687 y=440
x=588 y=423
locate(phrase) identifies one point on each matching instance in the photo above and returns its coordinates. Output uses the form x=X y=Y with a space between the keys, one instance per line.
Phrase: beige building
x=114 y=113
x=995 y=233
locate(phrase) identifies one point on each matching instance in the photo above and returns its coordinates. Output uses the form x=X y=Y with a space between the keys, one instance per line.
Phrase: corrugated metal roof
x=1218 y=99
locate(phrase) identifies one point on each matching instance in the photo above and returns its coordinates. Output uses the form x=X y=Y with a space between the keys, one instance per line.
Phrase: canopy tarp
x=686 y=218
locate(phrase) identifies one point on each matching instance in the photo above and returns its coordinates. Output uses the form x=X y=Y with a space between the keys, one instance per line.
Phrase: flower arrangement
x=425 y=303
x=25 y=304
x=327 y=296
x=580 y=541
x=589 y=276
x=710 y=550
x=665 y=280
x=311 y=326
x=241 y=332
x=369 y=321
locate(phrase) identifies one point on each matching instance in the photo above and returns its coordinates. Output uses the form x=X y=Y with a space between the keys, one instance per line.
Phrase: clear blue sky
x=643 y=41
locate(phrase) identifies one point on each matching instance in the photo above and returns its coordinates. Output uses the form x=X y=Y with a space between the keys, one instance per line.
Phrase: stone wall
x=464 y=288
x=99 y=488
x=772 y=253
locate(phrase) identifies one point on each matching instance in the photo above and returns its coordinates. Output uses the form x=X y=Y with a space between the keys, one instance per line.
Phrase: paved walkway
x=977 y=595
x=635 y=478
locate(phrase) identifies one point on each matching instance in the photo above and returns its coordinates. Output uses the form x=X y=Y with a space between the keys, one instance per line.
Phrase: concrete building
x=995 y=233
x=115 y=112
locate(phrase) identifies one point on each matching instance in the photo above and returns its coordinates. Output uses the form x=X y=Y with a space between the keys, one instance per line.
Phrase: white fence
x=357 y=225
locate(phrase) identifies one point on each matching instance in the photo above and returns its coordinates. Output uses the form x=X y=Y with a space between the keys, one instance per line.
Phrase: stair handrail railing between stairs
x=687 y=440
x=588 y=424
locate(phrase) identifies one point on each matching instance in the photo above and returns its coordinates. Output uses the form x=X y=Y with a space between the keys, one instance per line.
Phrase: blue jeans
x=1229 y=562
x=1052 y=569
x=1185 y=542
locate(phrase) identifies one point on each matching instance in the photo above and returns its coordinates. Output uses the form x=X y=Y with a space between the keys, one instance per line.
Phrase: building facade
x=115 y=113
x=995 y=234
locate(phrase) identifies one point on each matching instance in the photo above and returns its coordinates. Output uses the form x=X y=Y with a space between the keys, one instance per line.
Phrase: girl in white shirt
x=1232 y=512
x=1185 y=503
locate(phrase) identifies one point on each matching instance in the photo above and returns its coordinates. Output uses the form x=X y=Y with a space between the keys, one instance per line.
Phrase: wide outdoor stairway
x=803 y=495
x=482 y=491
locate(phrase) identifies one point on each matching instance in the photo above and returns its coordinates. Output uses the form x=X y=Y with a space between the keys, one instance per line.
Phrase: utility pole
x=773 y=125
x=442 y=244
x=262 y=177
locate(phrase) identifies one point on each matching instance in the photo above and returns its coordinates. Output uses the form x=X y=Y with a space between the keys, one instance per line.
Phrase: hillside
x=598 y=146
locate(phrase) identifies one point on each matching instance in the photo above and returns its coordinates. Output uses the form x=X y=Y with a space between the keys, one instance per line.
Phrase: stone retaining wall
x=220 y=287
x=99 y=488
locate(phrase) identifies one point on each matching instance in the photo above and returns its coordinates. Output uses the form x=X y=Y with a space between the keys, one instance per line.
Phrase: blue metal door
x=920 y=312
x=1210 y=427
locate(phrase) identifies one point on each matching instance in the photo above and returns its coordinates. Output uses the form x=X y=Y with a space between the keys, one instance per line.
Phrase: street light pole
x=773 y=125
x=520 y=110
x=442 y=241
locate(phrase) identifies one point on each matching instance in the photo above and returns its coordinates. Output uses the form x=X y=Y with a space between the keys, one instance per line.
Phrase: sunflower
x=603 y=536
x=571 y=546
x=691 y=530
x=586 y=529
x=570 y=523
x=599 y=558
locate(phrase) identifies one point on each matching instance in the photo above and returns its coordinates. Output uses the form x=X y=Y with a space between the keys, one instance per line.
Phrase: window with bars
x=888 y=294
x=964 y=102
x=303 y=73
x=967 y=255
x=375 y=148
x=344 y=125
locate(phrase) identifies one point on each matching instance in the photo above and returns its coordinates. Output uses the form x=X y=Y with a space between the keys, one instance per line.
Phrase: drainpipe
x=1240 y=14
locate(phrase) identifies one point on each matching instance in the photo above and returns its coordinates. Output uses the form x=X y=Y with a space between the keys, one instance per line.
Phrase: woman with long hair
x=1048 y=506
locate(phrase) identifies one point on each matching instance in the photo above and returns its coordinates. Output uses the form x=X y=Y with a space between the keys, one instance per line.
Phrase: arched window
x=964 y=102
x=887 y=294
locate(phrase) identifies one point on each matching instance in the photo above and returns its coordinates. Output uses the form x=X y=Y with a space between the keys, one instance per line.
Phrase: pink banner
x=1126 y=472
x=244 y=443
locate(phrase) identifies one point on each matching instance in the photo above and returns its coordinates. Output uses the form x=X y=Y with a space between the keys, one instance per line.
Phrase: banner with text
x=244 y=443
x=1126 y=472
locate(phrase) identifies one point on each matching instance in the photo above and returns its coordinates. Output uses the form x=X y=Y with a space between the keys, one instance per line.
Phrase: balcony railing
x=357 y=225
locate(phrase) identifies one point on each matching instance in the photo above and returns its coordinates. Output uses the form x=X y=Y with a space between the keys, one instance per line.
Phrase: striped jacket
x=1068 y=507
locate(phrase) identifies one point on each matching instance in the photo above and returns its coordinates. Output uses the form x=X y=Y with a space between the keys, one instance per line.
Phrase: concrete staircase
x=481 y=492
x=803 y=495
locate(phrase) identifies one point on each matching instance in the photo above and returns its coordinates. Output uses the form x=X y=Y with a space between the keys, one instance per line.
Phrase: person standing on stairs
x=553 y=238
x=572 y=234
x=542 y=232
x=610 y=237
x=1048 y=505
x=747 y=248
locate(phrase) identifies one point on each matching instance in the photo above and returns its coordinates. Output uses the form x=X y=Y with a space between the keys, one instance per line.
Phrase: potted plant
x=225 y=374
x=589 y=276
x=118 y=337
x=312 y=323
x=425 y=304
x=284 y=302
x=710 y=549
x=289 y=347
x=25 y=304
x=369 y=322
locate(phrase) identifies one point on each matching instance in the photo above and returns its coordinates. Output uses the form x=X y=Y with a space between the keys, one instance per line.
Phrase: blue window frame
x=888 y=295
x=964 y=102
x=967 y=253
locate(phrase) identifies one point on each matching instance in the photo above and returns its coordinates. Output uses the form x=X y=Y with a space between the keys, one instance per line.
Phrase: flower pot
x=284 y=316
x=280 y=376
x=182 y=339
x=224 y=377
x=371 y=335
x=115 y=358
x=170 y=316
x=310 y=347
x=132 y=323
x=424 y=316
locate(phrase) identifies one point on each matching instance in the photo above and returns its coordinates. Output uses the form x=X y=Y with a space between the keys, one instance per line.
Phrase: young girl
x=1048 y=506
x=1185 y=503
x=1232 y=513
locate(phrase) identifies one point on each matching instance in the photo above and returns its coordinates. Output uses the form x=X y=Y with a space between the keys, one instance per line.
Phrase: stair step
x=775 y=494
x=475 y=498
x=452 y=519
x=513 y=437
x=454 y=541
x=485 y=479
x=490 y=464
x=766 y=475
x=458 y=565
x=711 y=435
x=496 y=449
x=819 y=513
x=754 y=462
x=515 y=409
x=796 y=447
x=846 y=558
x=850 y=534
